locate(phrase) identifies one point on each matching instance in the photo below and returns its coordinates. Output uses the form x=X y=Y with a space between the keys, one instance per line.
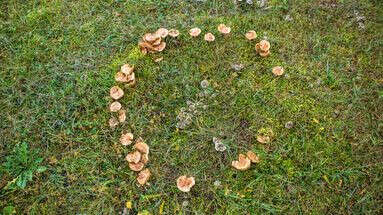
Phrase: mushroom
x=142 y=147
x=264 y=54
x=131 y=77
x=115 y=106
x=136 y=166
x=160 y=47
x=252 y=156
x=144 y=158
x=251 y=35
x=143 y=176
x=243 y=162
x=122 y=115
x=116 y=92
x=194 y=32
x=127 y=69
x=113 y=122
x=174 y=33
x=134 y=157
x=149 y=37
x=162 y=32
x=126 y=139
x=278 y=70
x=120 y=77
x=263 y=48
x=224 y=29
x=263 y=139
x=209 y=37
x=184 y=183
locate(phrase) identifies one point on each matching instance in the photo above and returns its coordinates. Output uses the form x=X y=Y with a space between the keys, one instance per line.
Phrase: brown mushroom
x=116 y=92
x=251 y=35
x=185 y=183
x=113 y=122
x=120 y=77
x=194 y=32
x=143 y=176
x=126 y=139
x=263 y=139
x=174 y=33
x=142 y=147
x=127 y=69
x=252 y=156
x=224 y=29
x=149 y=37
x=115 y=106
x=278 y=70
x=209 y=37
x=264 y=45
x=160 y=47
x=133 y=157
x=243 y=162
x=162 y=32
x=122 y=115
x=136 y=166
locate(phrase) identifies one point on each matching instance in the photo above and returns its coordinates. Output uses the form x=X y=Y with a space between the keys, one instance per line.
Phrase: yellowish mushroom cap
x=160 y=47
x=185 y=183
x=143 y=176
x=251 y=35
x=115 y=106
x=194 y=32
x=142 y=147
x=174 y=33
x=264 y=54
x=278 y=70
x=263 y=139
x=116 y=92
x=224 y=29
x=243 y=162
x=149 y=37
x=209 y=37
x=264 y=45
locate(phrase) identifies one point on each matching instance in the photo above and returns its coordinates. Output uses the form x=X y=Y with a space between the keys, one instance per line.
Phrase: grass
x=57 y=64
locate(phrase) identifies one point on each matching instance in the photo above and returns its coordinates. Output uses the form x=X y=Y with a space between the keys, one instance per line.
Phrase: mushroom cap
x=126 y=139
x=184 y=183
x=157 y=42
x=243 y=163
x=160 y=47
x=134 y=157
x=143 y=176
x=224 y=29
x=146 y=45
x=113 y=122
x=264 y=54
x=127 y=69
x=142 y=147
x=122 y=115
x=278 y=70
x=252 y=156
x=116 y=92
x=264 y=45
x=251 y=35
x=194 y=32
x=162 y=32
x=132 y=83
x=136 y=166
x=115 y=106
x=150 y=37
x=174 y=33
x=209 y=37
x=120 y=77
x=131 y=77
x=263 y=139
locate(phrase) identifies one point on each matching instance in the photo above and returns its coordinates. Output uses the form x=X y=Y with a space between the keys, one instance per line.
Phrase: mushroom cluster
x=153 y=42
x=138 y=158
x=263 y=48
x=244 y=161
x=126 y=75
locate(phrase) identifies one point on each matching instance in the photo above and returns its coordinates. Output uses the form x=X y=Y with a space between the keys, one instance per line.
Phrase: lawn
x=58 y=60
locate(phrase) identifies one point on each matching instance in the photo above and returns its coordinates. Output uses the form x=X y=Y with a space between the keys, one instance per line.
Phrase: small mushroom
x=278 y=70
x=131 y=77
x=209 y=37
x=113 y=122
x=243 y=163
x=160 y=47
x=263 y=139
x=194 y=32
x=126 y=139
x=127 y=69
x=134 y=157
x=251 y=35
x=174 y=33
x=185 y=183
x=120 y=77
x=252 y=156
x=264 y=45
x=162 y=32
x=136 y=166
x=116 y=92
x=224 y=29
x=115 y=106
x=143 y=176
x=142 y=147
x=122 y=115
x=264 y=54
x=149 y=37
x=144 y=158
